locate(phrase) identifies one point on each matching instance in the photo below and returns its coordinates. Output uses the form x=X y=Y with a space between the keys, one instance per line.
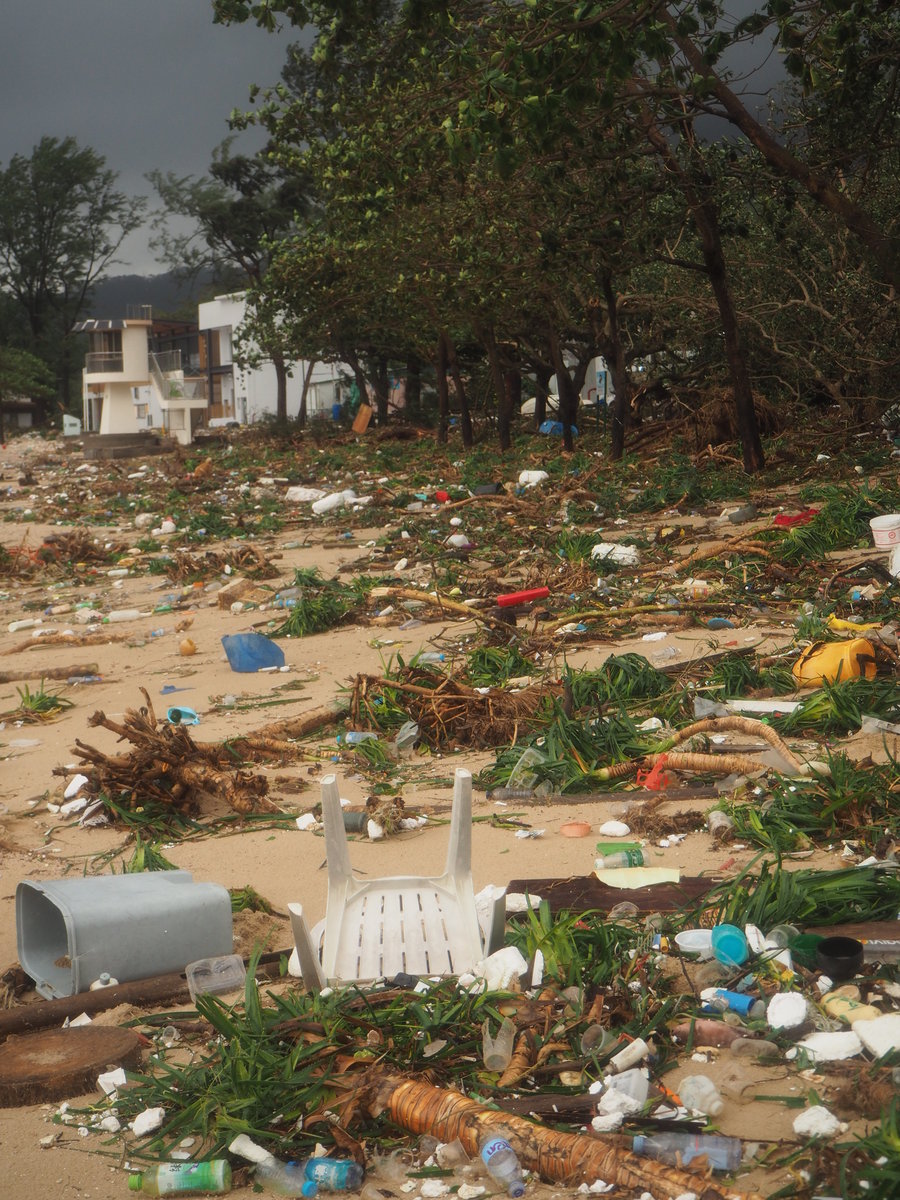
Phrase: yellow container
x=828 y=662
x=848 y=1010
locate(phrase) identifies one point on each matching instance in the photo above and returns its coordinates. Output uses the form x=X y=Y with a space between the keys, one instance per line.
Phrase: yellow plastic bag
x=827 y=662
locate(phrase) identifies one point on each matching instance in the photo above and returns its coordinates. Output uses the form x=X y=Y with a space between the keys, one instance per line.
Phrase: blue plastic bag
x=248 y=652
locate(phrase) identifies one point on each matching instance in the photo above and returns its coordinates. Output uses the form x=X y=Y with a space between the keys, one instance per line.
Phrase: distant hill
x=168 y=295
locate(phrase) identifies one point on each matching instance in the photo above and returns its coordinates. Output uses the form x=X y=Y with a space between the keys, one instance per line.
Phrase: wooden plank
x=585 y=893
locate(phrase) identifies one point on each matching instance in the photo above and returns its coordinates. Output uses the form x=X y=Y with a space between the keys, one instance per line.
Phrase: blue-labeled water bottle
x=502 y=1164
x=332 y=1174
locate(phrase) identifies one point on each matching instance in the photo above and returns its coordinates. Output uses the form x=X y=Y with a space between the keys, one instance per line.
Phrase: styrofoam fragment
x=817 y=1122
x=147 y=1121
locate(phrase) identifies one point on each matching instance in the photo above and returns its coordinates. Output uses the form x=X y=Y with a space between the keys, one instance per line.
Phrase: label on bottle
x=175 y=1178
x=493 y=1146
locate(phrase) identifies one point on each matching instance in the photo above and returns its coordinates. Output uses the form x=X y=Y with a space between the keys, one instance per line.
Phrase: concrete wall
x=256 y=388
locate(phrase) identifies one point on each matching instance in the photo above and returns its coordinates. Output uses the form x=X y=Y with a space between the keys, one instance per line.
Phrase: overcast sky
x=145 y=84
x=148 y=84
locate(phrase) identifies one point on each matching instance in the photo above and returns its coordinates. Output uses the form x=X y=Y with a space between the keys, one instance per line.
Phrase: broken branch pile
x=448 y=711
x=165 y=765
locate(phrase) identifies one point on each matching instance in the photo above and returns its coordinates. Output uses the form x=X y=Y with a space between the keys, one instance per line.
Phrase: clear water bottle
x=288 y=1179
x=502 y=1164
x=179 y=1179
x=430 y=656
x=722 y=1153
x=621 y=858
x=700 y=1093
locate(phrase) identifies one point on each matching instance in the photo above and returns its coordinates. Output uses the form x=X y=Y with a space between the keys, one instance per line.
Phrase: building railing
x=139 y=312
x=102 y=362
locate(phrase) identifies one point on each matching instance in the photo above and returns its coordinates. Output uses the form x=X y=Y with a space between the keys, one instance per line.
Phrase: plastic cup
x=729 y=945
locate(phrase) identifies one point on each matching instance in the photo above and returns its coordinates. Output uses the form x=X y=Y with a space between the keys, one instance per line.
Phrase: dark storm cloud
x=147 y=85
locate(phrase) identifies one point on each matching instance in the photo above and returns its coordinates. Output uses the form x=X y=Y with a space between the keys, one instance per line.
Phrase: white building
x=143 y=374
x=249 y=394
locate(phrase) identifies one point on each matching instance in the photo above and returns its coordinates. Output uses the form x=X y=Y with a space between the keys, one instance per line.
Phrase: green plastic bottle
x=185 y=1178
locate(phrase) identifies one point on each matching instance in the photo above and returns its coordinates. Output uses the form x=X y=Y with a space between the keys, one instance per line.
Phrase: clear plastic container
x=497 y=1051
x=212 y=975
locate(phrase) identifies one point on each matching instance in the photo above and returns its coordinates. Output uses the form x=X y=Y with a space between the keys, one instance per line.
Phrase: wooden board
x=63 y=1062
x=584 y=893
x=362 y=419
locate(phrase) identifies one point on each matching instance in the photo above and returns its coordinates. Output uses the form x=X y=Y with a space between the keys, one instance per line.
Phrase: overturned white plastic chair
x=380 y=927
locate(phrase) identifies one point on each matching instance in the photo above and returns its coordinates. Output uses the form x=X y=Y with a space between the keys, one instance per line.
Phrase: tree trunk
x=443 y=391
x=504 y=429
x=703 y=213
x=621 y=378
x=301 y=411
x=512 y=382
x=280 y=366
x=568 y=395
x=414 y=387
x=465 y=415
x=542 y=376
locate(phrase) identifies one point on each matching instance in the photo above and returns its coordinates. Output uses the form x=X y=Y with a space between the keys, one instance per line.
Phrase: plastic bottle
x=738 y=1002
x=722 y=1153
x=430 y=656
x=288 y=1179
x=502 y=1164
x=700 y=1093
x=622 y=858
x=848 y=1010
x=180 y=1179
x=25 y=623
x=720 y=825
x=354 y=736
x=122 y=614
x=633 y=1053
x=332 y=1174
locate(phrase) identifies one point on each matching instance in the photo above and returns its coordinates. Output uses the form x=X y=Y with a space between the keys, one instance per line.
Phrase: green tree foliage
x=22 y=376
x=528 y=179
x=62 y=221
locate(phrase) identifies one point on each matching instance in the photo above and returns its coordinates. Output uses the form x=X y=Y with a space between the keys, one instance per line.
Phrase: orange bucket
x=828 y=662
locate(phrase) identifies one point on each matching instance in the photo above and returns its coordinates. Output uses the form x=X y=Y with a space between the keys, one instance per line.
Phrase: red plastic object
x=510 y=598
x=443 y=497
x=801 y=518
x=654 y=780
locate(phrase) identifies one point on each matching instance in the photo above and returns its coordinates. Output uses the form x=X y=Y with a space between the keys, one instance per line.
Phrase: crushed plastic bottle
x=502 y=1164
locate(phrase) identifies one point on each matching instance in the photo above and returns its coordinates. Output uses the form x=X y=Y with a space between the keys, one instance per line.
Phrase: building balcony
x=104 y=362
